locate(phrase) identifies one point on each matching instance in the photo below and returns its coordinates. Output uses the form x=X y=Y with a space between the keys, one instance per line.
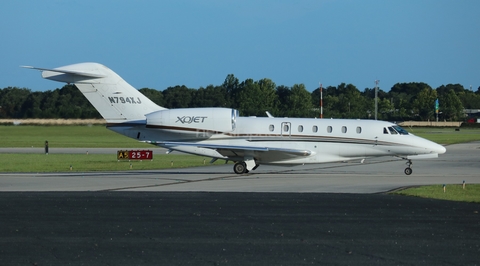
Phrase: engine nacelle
x=211 y=120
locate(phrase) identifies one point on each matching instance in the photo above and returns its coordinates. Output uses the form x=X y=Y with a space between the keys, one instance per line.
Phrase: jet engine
x=208 y=120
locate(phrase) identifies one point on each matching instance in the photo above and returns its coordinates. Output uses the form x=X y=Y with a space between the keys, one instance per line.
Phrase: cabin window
x=359 y=130
x=314 y=129
x=329 y=129
x=286 y=128
x=344 y=129
x=300 y=128
x=385 y=131
x=271 y=128
x=392 y=131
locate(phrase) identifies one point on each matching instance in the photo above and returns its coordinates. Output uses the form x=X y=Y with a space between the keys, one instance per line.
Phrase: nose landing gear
x=408 y=170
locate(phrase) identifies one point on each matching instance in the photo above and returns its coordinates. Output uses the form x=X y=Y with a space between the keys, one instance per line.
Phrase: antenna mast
x=321 y=101
x=376 y=97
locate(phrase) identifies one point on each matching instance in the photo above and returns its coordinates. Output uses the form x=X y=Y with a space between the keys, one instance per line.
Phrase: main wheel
x=240 y=168
x=408 y=171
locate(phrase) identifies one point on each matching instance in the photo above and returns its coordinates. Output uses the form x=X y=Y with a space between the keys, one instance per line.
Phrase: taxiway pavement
x=460 y=163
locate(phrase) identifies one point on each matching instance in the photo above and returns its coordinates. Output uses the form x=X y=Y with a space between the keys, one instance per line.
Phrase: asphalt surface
x=332 y=214
x=151 y=228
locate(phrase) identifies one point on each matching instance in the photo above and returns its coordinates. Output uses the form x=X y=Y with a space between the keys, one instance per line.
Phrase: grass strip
x=41 y=163
x=79 y=136
x=448 y=135
x=453 y=192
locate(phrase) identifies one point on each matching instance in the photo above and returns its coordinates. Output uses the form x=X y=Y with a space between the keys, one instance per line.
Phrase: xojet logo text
x=190 y=119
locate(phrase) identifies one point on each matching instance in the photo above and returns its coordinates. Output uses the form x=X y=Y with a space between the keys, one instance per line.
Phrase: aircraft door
x=286 y=129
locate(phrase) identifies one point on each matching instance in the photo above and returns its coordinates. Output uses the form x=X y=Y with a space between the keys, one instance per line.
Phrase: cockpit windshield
x=400 y=130
x=392 y=131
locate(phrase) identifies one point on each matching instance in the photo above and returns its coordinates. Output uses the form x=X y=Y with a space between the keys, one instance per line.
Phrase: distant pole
x=376 y=96
x=321 y=101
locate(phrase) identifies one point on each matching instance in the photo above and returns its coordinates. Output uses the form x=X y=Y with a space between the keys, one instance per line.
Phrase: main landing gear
x=408 y=170
x=242 y=168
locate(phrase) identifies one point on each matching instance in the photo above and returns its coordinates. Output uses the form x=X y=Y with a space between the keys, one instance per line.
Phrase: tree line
x=404 y=101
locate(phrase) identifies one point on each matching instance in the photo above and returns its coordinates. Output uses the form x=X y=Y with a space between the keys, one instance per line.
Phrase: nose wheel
x=408 y=170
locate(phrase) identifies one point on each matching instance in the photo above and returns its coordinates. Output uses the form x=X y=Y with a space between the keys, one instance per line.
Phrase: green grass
x=471 y=193
x=80 y=136
x=40 y=163
x=65 y=137
x=447 y=136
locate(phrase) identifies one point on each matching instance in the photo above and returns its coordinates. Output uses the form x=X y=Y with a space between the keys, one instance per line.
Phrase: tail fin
x=115 y=99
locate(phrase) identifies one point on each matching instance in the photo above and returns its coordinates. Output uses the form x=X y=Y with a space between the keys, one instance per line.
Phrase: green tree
x=178 y=97
x=211 y=96
x=330 y=103
x=31 y=107
x=351 y=104
x=450 y=106
x=403 y=96
x=49 y=104
x=299 y=102
x=254 y=98
x=469 y=99
x=423 y=105
x=231 y=88
x=11 y=102
x=248 y=98
x=283 y=93
x=269 y=97
x=154 y=95
x=386 y=109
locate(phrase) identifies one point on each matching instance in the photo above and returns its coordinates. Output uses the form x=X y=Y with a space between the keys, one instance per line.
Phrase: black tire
x=408 y=171
x=239 y=168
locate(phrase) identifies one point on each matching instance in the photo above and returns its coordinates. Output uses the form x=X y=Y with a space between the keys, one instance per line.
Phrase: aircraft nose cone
x=441 y=149
x=437 y=148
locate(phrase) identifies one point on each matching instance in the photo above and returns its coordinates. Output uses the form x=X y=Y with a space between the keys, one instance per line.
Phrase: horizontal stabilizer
x=66 y=75
x=59 y=70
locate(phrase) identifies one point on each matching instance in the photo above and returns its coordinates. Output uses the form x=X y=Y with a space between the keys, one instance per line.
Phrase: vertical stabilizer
x=115 y=99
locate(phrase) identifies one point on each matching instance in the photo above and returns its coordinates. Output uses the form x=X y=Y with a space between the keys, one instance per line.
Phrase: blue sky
x=157 y=44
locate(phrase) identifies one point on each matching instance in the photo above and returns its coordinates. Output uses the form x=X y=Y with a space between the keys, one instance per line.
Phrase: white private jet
x=220 y=133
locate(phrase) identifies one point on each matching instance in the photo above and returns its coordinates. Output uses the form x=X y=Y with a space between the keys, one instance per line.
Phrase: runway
x=331 y=214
